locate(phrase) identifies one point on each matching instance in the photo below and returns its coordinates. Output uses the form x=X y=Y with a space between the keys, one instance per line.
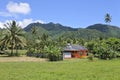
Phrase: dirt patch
x=21 y=59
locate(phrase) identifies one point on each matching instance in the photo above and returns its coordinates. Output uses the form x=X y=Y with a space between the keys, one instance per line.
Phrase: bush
x=2 y=52
x=90 y=56
x=108 y=54
x=53 y=57
x=14 y=54
x=53 y=53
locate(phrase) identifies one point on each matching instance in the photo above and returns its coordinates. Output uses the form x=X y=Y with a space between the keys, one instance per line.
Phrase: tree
x=104 y=49
x=44 y=41
x=44 y=37
x=53 y=52
x=107 y=18
x=34 y=33
x=14 y=37
x=1 y=35
x=34 y=30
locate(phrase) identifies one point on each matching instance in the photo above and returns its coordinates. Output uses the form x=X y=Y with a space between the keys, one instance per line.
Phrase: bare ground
x=4 y=58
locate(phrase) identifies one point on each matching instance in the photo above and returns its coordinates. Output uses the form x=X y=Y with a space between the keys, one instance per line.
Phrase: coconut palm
x=34 y=33
x=107 y=18
x=14 y=36
x=34 y=30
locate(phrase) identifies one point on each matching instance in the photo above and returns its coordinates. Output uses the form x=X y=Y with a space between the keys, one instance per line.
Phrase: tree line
x=14 y=38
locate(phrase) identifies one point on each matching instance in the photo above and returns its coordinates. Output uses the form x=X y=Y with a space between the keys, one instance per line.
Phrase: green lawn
x=77 y=69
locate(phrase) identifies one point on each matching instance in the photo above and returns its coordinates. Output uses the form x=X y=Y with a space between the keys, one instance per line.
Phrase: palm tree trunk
x=16 y=54
x=16 y=50
x=12 y=49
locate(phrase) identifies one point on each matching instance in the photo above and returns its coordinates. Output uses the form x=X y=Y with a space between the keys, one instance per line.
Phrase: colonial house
x=74 y=51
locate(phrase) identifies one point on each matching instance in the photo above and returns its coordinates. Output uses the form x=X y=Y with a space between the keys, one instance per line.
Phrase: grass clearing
x=5 y=58
x=75 y=69
x=21 y=52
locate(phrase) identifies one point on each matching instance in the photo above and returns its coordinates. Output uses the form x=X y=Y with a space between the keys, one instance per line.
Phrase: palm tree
x=14 y=36
x=34 y=33
x=107 y=18
x=1 y=35
x=5 y=41
x=34 y=30
x=44 y=37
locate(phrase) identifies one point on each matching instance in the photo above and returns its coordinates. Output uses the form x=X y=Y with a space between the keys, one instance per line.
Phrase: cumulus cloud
x=22 y=23
x=13 y=9
x=1 y=25
x=23 y=8
x=25 y=22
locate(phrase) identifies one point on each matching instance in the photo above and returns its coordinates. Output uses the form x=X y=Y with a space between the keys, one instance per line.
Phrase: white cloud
x=40 y=21
x=5 y=14
x=25 y=22
x=22 y=23
x=23 y=8
x=14 y=8
x=1 y=25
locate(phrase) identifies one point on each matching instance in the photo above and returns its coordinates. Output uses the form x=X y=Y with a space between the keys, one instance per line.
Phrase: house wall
x=79 y=54
x=84 y=53
x=74 y=54
x=67 y=55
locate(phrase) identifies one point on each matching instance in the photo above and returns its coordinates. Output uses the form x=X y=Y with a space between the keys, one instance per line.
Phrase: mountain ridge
x=56 y=29
x=49 y=26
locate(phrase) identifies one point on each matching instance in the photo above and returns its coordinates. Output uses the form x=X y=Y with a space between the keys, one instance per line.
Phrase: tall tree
x=34 y=33
x=14 y=36
x=108 y=18
x=34 y=30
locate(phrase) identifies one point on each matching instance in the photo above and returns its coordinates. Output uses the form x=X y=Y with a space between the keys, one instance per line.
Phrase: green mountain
x=51 y=28
x=84 y=33
x=93 y=31
x=109 y=30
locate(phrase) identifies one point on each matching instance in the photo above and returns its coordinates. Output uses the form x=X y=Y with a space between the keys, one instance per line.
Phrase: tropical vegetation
x=47 y=40
x=13 y=38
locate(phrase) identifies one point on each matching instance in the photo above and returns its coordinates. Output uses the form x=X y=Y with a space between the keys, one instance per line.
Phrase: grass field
x=23 y=58
x=21 y=52
x=75 y=69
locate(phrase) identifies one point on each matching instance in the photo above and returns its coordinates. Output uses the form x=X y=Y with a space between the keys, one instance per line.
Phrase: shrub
x=53 y=57
x=90 y=56
x=53 y=53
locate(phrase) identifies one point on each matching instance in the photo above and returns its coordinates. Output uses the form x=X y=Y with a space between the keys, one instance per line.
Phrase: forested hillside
x=48 y=39
x=110 y=30
x=90 y=32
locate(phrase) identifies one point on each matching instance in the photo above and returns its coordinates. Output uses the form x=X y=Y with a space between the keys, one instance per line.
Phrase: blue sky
x=74 y=13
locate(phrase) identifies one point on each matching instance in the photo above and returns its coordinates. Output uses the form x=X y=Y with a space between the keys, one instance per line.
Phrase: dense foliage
x=93 y=31
x=13 y=38
x=105 y=49
x=47 y=40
